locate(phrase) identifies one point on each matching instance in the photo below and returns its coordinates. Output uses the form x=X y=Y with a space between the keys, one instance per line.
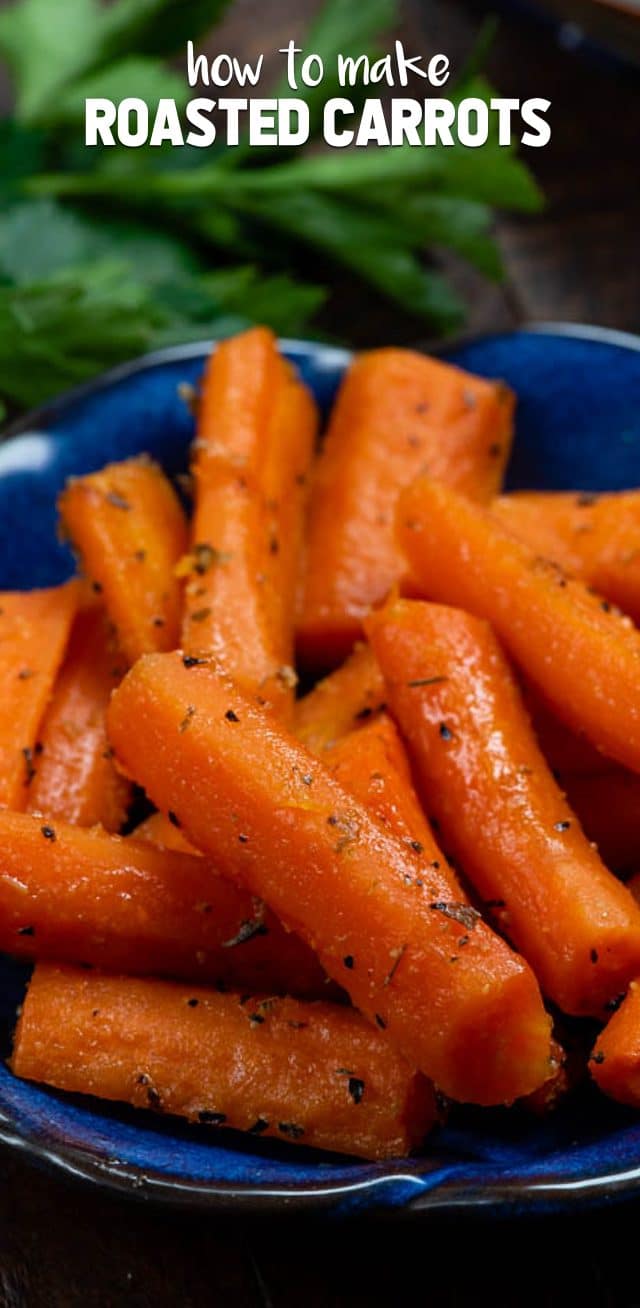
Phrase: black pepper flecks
x=30 y=769
x=48 y=833
x=192 y=1003
x=259 y=1127
x=291 y=1129
x=356 y=1088
x=594 y=955
x=562 y=826
x=231 y=716
x=425 y=681
x=416 y=846
x=174 y=819
x=349 y=961
x=381 y=1022
x=200 y=615
x=26 y=931
x=25 y=674
x=208 y=1118
x=397 y=956
x=190 y=661
x=187 y=719
x=445 y=731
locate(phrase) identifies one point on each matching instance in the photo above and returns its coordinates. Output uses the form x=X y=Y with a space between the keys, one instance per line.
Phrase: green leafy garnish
x=108 y=252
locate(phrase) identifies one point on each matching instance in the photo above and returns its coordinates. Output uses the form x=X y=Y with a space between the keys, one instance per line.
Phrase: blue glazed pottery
x=578 y=426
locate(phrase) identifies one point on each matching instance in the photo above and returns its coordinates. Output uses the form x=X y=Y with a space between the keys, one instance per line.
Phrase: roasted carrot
x=86 y=897
x=608 y=806
x=340 y=702
x=397 y=414
x=256 y=434
x=371 y=763
x=597 y=537
x=370 y=907
x=615 y=1061
x=129 y=530
x=316 y=1074
x=582 y=654
x=74 y=776
x=34 y=629
x=546 y=1099
x=160 y=831
x=500 y=810
x=565 y=750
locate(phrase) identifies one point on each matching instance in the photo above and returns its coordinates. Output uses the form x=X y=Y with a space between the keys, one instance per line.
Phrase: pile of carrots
x=353 y=906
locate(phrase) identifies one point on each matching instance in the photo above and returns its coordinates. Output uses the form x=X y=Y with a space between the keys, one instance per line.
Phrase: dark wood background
x=66 y=1246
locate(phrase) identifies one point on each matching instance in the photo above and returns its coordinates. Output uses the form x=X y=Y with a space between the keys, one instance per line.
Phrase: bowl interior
x=578 y=425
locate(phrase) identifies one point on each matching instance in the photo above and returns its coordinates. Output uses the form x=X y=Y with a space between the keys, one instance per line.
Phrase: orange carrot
x=615 y=1061
x=340 y=702
x=129 y=529
x=397 y=414
x=372 y=765
x=499 y=807
x=565 y=750
x=160 y=831
x=34 y=629
x=583 y=655
x=370 y=907
x=316 y=1073
x=74 y=776
x=84 y=896
x=597 y=537
x=608 y=806
x=255 y=441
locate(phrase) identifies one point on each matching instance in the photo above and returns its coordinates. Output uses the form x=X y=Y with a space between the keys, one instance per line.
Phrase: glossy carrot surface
x=581 y=653
x=470 y=1018
x=341 y=702
x=499 y=809
x=312 y=1074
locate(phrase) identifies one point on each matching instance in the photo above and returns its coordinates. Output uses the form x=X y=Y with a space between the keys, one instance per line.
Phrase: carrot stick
x=615 y=1061
x=129 y=530
x=371 y=763
x=74 y=776
x=160 y=831
x=396 y=414
x=499 y=807
x=565 y=750
x=597 y=537
x=34 y=629
x=340 y=702
x=84 y=896
x=583 y=655
x=608 y=806
x=316 y=1074
x=255 y=441
x=282 y=826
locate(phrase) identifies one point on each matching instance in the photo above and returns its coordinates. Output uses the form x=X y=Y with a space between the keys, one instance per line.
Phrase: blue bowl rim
x=498 y=1198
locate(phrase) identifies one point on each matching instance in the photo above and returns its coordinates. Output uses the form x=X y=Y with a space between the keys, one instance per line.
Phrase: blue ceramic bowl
x=578 y=426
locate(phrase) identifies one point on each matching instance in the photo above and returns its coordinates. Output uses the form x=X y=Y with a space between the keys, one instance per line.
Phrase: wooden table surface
x=63 y=1245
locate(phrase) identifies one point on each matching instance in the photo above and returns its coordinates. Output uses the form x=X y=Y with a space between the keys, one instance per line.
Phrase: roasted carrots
x=499 y=809
x=583 y=655
x=129 y=531
x=34 y=629
x=370 y=907
x=256 y=432
x=397 y=414
x=74 y=777
x=340 y=702
x=615 y=1061
x=86 y=897
x=597 y=537
x=312 y=1074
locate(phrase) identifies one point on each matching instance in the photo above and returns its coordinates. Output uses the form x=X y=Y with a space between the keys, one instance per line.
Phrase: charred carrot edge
x=256 y=434
x=608 y=806
x=129 y=530
x=615 y=1061
x=499 y=809
x=283 y=827
x=339 y=703
x=83 y=896
x=397 y=412
x=582 y=654
x=34 y=629
x=312 y=1074
x=74 y=775
x=594 y=536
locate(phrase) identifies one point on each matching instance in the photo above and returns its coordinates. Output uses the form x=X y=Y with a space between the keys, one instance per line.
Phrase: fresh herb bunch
x=106 y=253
